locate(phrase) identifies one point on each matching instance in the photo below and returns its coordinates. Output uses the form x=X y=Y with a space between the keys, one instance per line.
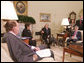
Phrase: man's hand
x=42 y=31
x=72 y=37
x=36 y=48
x=33 y=39
x=48 y=36
x=35 y=57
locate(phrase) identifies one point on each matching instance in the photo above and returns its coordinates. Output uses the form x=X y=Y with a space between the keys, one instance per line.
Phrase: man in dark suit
x=18 y=49
x=75 y=36
x=27 y=33
x=80 y=23
x=46 y=34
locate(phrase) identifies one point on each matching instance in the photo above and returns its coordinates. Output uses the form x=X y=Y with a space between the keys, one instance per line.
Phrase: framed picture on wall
x=21 y=7
x=44 y=17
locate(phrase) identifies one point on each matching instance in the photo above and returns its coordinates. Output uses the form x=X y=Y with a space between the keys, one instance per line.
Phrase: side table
x=61 y=35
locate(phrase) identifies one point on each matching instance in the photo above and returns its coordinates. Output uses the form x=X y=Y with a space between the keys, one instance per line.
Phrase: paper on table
x=44 y=53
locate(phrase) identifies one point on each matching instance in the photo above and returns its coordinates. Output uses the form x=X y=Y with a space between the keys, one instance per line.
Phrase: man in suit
x=75 y=36
x=46 y=34
x=80 y=23
x=27 y=33
x=18 y=49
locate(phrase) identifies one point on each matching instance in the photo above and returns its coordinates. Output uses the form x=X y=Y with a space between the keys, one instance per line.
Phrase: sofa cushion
x=5 y=47
x=4 y=56
x=47 y=59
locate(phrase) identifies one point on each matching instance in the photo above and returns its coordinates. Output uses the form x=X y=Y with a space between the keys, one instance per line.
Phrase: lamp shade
x=8 y=11
x=65 y=22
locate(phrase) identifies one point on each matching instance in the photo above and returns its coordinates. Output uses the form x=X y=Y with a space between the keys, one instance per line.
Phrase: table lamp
x=65 y=22
x=8 y=11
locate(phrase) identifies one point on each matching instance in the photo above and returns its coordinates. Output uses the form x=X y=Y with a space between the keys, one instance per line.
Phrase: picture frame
x=21 y=7
x=45 y=17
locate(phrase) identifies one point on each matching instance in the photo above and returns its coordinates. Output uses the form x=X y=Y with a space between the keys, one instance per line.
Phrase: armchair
x=81 y=37
x=80 y=41
x=76 y=49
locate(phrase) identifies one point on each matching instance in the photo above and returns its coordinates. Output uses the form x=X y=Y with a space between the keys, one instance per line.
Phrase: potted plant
x=26 y=19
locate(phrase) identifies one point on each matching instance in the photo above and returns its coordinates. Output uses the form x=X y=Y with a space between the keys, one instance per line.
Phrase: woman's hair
x=9 y=25
x=46 y=24
x=27 y=25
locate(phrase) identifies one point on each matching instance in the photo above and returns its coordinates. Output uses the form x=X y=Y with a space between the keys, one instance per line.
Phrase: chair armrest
x=79 y=41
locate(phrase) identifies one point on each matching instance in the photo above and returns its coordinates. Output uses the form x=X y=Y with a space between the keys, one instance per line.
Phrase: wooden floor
x=58 y=52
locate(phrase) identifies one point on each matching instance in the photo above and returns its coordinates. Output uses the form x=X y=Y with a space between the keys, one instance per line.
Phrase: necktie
x=47 y=31
x=75 y=33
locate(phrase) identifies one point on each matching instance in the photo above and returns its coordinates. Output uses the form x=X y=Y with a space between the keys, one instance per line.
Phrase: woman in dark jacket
x=27 y=33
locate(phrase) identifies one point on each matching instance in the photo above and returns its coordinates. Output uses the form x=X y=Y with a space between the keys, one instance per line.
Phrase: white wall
x=57 y=9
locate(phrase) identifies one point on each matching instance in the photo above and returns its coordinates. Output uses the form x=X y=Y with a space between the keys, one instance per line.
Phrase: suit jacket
x=18 y=50
x=79 y=25
x=78 y=35
x=27 y=33
x=46 y=32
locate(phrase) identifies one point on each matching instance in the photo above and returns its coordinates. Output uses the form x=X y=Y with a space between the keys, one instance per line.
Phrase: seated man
x=46 y=34
x=75 y=36
x=27 y=33
x=18 y=49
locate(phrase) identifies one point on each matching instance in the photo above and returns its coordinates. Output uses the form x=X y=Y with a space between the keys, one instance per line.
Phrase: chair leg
x=70 y=54
x=65 y=44
x=63 y=55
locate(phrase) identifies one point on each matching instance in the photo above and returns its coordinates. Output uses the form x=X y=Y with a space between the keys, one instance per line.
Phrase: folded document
x=44 y=53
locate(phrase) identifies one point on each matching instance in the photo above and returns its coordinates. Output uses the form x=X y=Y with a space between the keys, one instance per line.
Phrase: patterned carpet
x=58 y=52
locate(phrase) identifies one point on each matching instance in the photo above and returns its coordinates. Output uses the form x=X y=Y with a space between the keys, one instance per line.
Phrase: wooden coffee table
x=73 y=49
